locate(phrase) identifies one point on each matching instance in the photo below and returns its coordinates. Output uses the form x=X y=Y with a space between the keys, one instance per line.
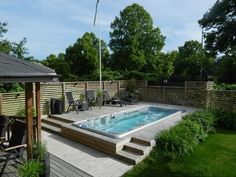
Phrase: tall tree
x=219 y=24
x=59 y=65
x=192 y=59
x=134 y=41
x=82 y=57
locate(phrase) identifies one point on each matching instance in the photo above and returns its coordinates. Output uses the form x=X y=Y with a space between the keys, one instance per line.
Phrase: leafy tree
x=16 y=49
x=59 y=64
x=226 y=67
x=134 y=41
x=83 y=56
x=219 y=24
x=191 y=60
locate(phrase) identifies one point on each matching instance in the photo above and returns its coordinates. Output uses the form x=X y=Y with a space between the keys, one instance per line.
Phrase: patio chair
x=3 y=128
x=16 y=145
x=90 y=97
x=77 y=105
x=128 y=98
x=107 y=99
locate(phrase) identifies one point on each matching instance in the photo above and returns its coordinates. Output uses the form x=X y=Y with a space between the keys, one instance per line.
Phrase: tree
x=192 y=59
x=134 y=41
x=219 y=24
x=59 y=65
x=16 y=49
x=82 y=57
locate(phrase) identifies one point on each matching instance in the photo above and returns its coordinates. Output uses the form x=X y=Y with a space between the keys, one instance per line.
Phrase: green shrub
x=39 y=151
x=225 y=119
x=180 y=139
x=32 y=168
x=205 y=117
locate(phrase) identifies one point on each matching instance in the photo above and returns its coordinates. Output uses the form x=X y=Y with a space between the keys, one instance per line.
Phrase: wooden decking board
x=58 y=168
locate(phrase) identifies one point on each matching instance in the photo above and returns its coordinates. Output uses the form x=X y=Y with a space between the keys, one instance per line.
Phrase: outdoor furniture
x=107 y=99
x=128 y=98
x=90 y=97
x=77 y=105
x=3 y=128
x=15 y=147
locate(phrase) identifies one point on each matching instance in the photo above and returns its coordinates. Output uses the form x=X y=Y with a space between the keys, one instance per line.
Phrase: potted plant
x=40 y=153
x=32 y=168
x=99 y=98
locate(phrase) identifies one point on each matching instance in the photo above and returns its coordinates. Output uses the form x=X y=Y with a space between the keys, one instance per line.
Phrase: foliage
x=21 y=112
x=224 y=86
x=225 y=119
x=180 y=139
x=205 y=118
x=83 y=56
x=60 y=66
x=226 y=67
x=134 y=41
x=191 y=59
x=213 y=157
x=106 y=75
x=219 y=25
x=16 y=49
x=11 y=87
x=39 y=151
x=32 y=168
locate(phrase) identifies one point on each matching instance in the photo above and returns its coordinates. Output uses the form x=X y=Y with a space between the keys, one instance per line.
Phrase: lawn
x=216 y=156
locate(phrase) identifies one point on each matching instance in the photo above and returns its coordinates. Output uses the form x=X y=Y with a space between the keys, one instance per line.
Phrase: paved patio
x=92 y=161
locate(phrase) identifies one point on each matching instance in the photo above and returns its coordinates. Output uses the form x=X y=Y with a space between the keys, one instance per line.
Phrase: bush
x=180 y=139
x=32 y=168
x=206 y=118
x=225 y=119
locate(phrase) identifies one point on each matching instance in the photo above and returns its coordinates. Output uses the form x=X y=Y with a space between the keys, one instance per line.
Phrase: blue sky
x=50 y=26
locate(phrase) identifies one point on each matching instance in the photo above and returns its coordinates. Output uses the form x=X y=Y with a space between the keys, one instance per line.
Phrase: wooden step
x=51 y=128
x=136 y=148
x=129 y=157
x=60 y=118
x=54 y=122
x=142 y=142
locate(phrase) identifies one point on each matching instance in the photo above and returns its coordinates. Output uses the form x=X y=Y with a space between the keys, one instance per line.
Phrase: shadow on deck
x=58 y=168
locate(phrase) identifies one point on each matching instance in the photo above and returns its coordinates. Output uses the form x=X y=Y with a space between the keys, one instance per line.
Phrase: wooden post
x=103 y=85
x=0 y=104
x=164 y=92
x=118 y=88
x=29 y=117
x=86 y=85
x=63 y=96
x=38 y=111
x=185 y=91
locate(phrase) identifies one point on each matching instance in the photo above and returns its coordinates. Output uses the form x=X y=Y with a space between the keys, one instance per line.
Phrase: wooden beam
x=29 y=117
x=38 y=111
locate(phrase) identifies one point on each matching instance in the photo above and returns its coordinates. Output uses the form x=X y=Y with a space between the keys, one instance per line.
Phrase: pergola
x=13 y=70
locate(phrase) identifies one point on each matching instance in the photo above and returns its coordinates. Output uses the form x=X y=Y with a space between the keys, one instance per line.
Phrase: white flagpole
x=100 y=48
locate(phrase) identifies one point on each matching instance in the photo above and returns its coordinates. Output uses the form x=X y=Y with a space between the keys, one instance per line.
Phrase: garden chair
x=14 y=149
x=128 y=98
x=90 y=97
x=77 y=105
x=3 y=128
x=107 y=99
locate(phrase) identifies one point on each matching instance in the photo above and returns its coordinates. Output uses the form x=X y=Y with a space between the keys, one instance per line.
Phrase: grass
x=214 y=157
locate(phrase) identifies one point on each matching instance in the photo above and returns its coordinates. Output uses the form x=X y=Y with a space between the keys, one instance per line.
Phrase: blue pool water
x=118 y=124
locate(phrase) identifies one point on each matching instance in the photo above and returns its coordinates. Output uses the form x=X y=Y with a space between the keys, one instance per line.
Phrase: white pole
x=100 y=47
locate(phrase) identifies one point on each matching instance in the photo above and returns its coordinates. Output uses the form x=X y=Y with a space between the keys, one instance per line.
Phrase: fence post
x=86 y=85
x=185 y=92
x=118 y=88
x=103 y=85
x=0 y=104
x=63 y=95
x=164 y=92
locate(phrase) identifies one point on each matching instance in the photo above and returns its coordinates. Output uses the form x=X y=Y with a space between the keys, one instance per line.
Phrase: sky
x=50 y=26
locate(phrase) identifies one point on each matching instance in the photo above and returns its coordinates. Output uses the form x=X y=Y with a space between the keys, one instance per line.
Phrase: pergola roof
x=13 y=69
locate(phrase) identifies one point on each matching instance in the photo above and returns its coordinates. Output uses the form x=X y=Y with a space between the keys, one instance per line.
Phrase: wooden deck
x=58 y=168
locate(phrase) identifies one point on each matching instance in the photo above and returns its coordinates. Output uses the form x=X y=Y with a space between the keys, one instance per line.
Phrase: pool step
x=143 y=142
x=53 y=116
x=129 y=157
x=135 y=151
x=135 y=148
x=51 y=128
x=53 y=124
